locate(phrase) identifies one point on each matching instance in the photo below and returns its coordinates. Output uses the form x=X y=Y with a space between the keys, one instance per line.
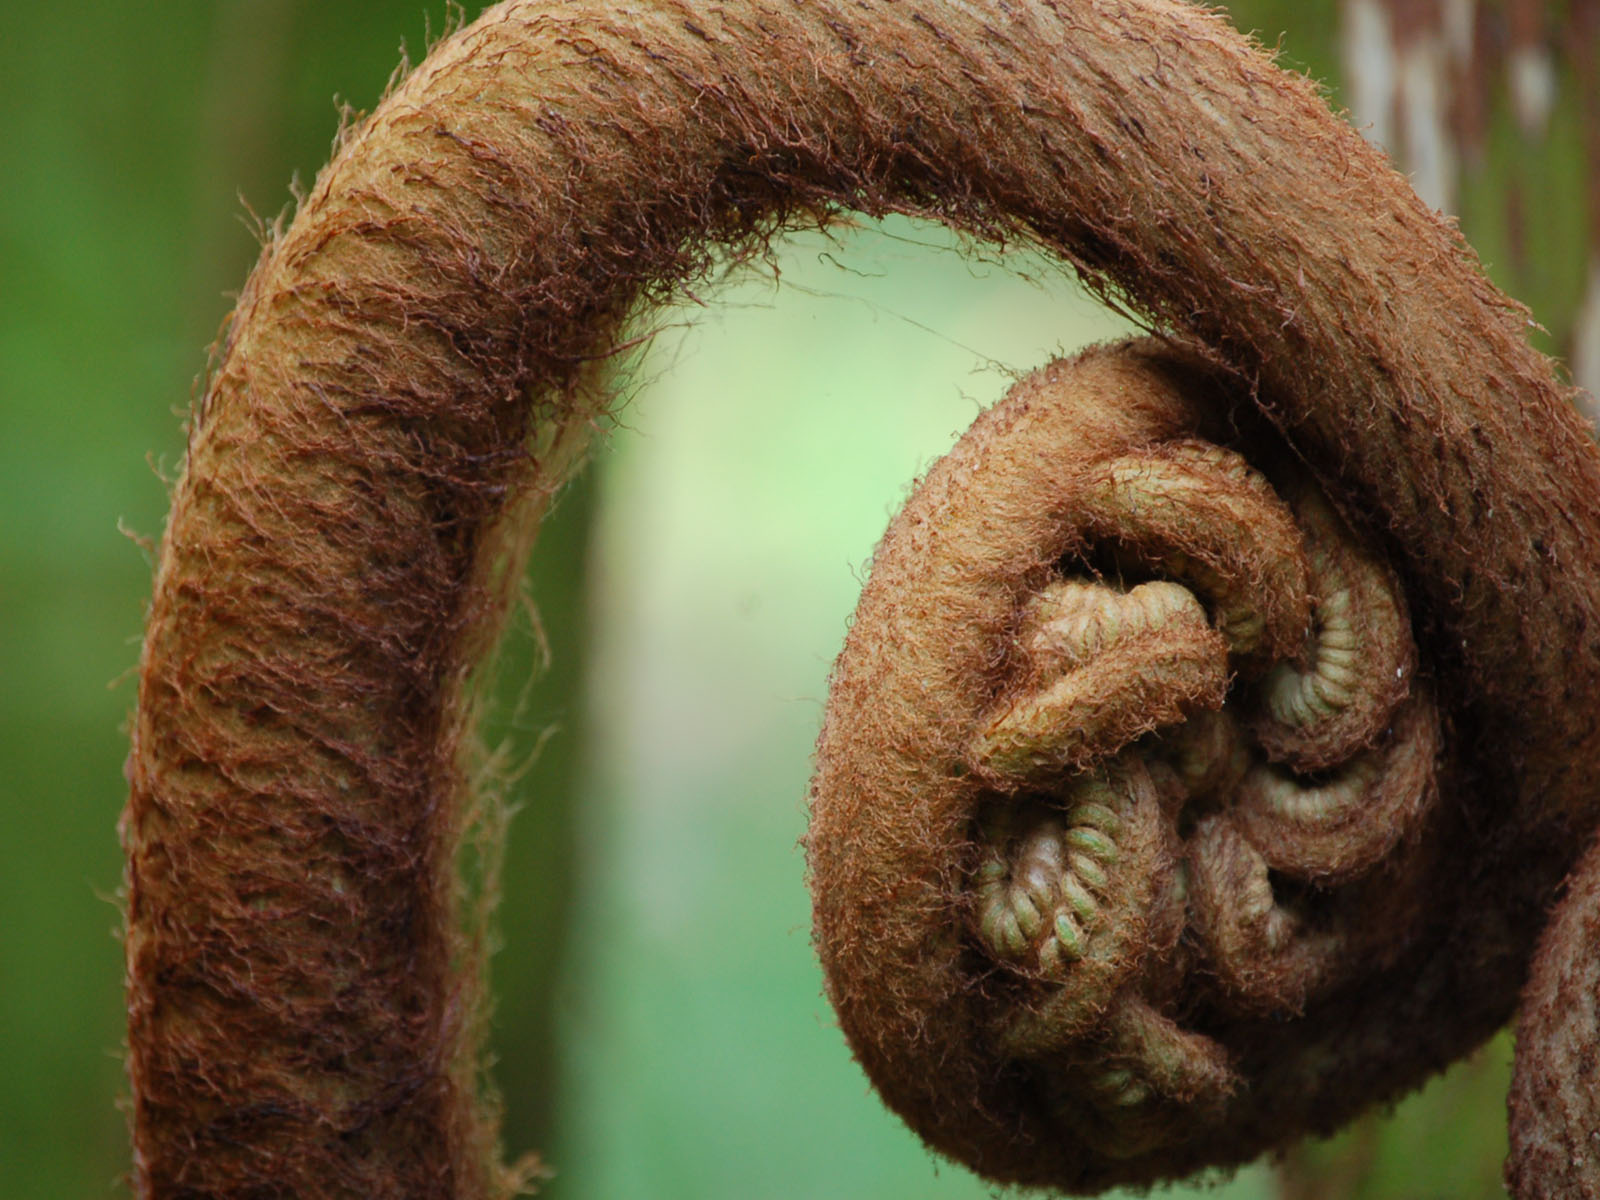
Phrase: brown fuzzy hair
x=1257 y=937
x=409 y=376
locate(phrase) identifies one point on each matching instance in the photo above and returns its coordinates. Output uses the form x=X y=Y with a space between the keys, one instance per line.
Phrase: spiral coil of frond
x=411 y=372
x=1201 y=751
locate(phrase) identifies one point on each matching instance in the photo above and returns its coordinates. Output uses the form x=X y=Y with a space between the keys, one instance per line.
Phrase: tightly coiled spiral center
x=1190 y=758
x=1191 y=780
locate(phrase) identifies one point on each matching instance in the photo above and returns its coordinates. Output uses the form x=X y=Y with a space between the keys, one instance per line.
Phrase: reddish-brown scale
x=407 y=380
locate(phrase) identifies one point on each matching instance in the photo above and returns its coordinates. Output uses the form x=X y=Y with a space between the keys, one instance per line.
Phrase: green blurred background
x=660 y=1027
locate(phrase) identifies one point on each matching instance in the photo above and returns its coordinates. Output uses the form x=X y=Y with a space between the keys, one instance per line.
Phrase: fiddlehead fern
x=410 y=373
x=1186 y=797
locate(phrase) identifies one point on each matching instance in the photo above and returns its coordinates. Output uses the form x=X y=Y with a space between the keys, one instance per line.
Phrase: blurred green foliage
x=686 y=1049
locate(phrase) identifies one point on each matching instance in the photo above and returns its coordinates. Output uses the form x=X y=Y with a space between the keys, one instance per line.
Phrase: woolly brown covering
x=1114 y=861
x=1555 y=1100
x=408 y=377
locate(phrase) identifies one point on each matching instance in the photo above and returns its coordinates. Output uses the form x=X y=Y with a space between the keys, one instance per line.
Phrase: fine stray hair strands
x=1211 y=756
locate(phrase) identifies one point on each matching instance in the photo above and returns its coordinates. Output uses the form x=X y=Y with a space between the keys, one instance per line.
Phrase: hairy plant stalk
x=408 y=377
x=1555 y=1111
